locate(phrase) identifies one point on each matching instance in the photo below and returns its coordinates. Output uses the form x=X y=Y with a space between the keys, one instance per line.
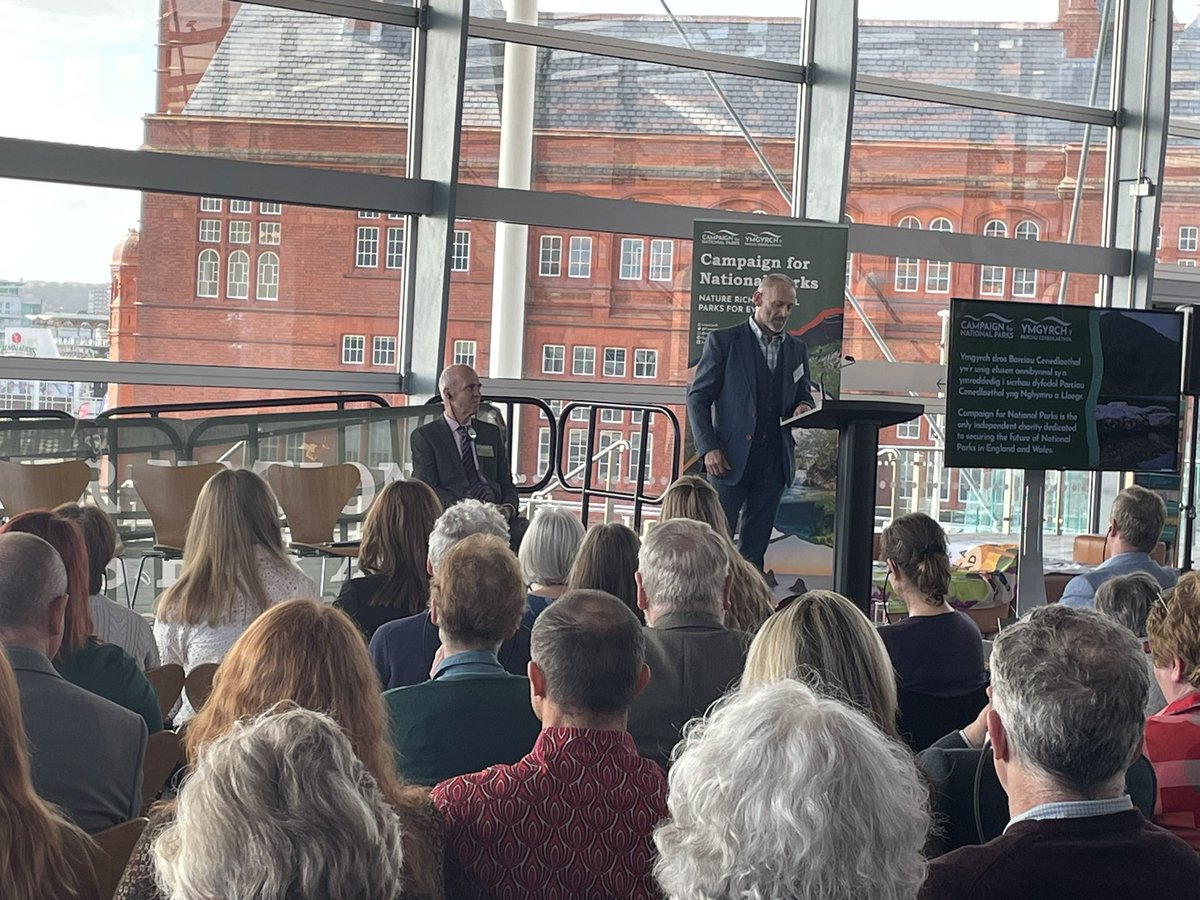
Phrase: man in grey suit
x=85 y=752
x=683 y=587
x=748 y=378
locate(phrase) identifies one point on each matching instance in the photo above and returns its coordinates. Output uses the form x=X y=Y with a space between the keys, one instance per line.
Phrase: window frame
x=366 y=247
x=550 y=256
x=349 y=349
x=549 y=356
x=581 y=267
x=632 y=255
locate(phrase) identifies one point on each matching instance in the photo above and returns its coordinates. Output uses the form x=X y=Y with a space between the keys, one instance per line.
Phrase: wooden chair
x=167 y=682
x=164 y=753
x=198 y=684
x=312 y=498
x=26 y=486
x=115 y=846
x=169 y=494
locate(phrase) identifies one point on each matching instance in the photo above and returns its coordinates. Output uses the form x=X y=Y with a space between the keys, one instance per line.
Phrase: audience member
x=1068 y=689
x=252 y=821
x=85 y=752
x=84 y=660
x=1173 y=731
x=750 y=601
x=41 y=854
x=392 y=557
x=784 y=793
x=403 y=651
x=234 y=567
x=546 y=555
x=683 y=587
x=312 y=655
x=937 y=650
x=1128 y=598
x=114 y=623
x=1135 y=525
x=607 y=561
x=824 y=640
x=583 y=774
x=472 y=713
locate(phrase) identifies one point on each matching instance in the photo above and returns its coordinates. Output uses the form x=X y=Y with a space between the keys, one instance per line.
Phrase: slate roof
x=276 y=63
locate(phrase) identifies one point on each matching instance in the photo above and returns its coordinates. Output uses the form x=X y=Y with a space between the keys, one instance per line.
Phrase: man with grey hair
x=404 y=650
x=85 y=752
x=588 y=665
x=683 y=587
x=749 y=377
x=1068 y=694
x=1135 y=525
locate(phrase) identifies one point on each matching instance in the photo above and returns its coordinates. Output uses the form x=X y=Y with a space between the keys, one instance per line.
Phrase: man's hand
x=977 y=730
x=802 y=408
x=507 y=510
x=716 y=464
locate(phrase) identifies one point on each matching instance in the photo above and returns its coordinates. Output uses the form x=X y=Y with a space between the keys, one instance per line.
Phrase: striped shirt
x=117 y=624
x=1073 y=809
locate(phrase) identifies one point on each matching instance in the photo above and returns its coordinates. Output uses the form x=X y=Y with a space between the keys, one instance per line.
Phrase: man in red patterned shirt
x=574 y=818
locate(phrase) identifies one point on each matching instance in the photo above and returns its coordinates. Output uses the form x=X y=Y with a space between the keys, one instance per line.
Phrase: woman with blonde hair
x=750 y=601
x=41 y=853
x=607 y=561
x=824 y=640
x=234 y=567
x=84 y=659
x=314 y=656
x=937 y=650
x=393 y=557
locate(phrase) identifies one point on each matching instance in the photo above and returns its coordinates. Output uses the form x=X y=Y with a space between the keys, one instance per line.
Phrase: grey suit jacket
x=693 y=660
x=85 y=752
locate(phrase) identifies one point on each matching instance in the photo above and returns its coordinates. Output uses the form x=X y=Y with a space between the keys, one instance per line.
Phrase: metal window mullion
x=904 y=89
x=365 y=10
x=639 y=51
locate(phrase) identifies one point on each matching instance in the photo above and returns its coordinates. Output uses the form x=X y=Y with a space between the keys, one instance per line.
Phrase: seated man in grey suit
x=85 y=752
x=460 y=457
x=683 y=586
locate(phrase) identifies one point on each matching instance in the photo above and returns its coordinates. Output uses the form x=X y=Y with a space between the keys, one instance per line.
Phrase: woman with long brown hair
x=607 y=561
x=84 y=660
x=41 y=853
x=750 y=601
x=314 y=656
x=393 y=557
x=234 y=567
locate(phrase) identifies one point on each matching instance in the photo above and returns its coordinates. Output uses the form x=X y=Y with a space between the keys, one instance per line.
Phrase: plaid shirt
x=1173 y=748
x=1073 y=809
x=769 y=342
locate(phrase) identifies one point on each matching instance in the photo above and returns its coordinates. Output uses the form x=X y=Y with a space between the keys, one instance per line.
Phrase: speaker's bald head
x=32 y=575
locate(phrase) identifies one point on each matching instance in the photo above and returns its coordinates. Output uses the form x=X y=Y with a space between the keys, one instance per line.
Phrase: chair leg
x=138 y=583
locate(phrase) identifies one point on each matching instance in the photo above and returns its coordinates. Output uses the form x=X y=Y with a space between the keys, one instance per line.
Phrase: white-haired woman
x=850 y=824
x=546 y=555
x=251 y=822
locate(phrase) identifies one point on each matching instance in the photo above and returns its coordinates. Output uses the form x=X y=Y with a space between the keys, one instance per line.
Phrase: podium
x=857 y=423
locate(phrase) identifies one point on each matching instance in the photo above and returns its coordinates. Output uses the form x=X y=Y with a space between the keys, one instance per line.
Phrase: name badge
x=799 y=373
x=485 y=450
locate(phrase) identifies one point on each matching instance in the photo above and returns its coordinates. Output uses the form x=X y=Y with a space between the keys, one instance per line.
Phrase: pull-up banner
x=1032 y=386
x=729 y=258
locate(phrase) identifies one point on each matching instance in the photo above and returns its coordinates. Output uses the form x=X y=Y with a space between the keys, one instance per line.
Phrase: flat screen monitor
x=1034 y=386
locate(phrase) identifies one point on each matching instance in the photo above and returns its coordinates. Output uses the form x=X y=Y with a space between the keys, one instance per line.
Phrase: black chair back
x=925 y=718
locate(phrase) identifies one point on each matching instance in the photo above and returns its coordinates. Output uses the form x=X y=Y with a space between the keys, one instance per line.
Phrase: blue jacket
x=720 y=401
x=1081 y=590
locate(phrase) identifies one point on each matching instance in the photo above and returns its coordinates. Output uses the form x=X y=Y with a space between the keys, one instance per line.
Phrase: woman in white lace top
x=234 y=567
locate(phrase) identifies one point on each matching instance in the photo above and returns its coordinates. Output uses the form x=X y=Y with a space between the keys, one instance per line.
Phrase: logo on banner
x=1048 y=328
x=725 y=237
x=992 y=325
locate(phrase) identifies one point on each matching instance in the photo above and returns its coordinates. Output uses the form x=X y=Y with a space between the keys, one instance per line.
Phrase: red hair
x=64 y=536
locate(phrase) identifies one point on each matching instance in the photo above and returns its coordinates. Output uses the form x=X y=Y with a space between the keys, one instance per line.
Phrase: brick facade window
x=208 y=273
x=1024 y=281
x=576 y=451
x=991 y=278
x=662 y=260
x=614 y=362
x=583 y=360
x=1187 y=238
x=210 y=204
x=353 y=348
x=210 y=231
x=269 y=209
x=239 y=232
x=461 y=260
x=237 y=283
x=645 y=363
x=464 y=353
x=550 y=256
x=367 y=214
x=366 y=247
x=612 y=416
x=239 y=206
x=268 y=232
x=553 y=359
x=635 y=455
x=908 y=270
x=383 y=351
x=543 y=451
x=631 y=259
x=268 y=277
x=937 y=273
x=579 y=262
x=394 y=259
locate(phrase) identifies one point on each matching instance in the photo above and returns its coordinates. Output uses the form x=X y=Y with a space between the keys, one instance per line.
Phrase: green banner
x=729 y=258
x=1032 y=386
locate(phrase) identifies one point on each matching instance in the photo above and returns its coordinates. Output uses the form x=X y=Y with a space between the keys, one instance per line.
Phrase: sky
x=85 y=70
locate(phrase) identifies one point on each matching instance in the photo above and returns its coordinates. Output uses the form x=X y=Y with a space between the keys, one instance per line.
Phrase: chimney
x=1080 y=24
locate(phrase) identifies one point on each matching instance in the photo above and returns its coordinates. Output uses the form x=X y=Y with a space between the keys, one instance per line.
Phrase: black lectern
x=857 y=423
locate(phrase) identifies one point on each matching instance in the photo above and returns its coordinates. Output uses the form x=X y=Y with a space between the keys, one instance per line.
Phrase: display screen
x=1032 y=386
